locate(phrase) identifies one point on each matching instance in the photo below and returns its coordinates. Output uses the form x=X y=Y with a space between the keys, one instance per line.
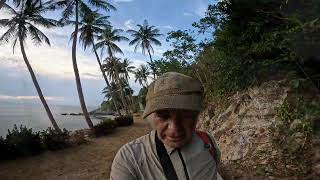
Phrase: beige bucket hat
x=174 y=91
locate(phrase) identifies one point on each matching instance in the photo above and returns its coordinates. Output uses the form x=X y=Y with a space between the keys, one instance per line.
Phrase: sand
x=86 y=161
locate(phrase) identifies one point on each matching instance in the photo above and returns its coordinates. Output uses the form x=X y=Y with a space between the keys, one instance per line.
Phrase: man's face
x=175 y=127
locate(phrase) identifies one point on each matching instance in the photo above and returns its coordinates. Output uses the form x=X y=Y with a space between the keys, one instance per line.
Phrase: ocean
x=35 y=117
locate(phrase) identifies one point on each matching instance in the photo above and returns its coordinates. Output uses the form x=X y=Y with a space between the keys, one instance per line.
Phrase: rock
x=247 y=129
x=298 y=135
x=295 y=124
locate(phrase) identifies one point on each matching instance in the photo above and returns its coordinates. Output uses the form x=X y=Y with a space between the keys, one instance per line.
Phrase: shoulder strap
x=208 y=142
x=165 y=160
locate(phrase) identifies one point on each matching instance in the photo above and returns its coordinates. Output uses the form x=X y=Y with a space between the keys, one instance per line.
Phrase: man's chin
x=175 y=144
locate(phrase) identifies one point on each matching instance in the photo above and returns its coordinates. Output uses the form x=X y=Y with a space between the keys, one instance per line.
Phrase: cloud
x=188 y=14
x=166 y=27
x=91 y=76
x=129 y=24
x=52 y=61
x=49 y=98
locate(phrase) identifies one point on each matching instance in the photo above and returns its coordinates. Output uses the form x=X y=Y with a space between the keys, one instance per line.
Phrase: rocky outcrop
x=244 y=136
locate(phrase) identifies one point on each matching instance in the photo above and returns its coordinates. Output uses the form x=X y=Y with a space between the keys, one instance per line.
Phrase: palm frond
x=102 y=4
x=116 y=48
x=67 y=12
x=48 y=23
x=131 y=31
x=37 y=35
x=134 y=41
x=4 y=22
x=155 y=41
x=14 y=45
x=9 y=9
x=10 y=33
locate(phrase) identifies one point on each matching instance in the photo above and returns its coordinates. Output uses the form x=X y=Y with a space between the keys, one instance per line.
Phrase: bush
x=23 y=142
x=124 y=120
x=105 y=127
x=4 y=149
x=54 y=140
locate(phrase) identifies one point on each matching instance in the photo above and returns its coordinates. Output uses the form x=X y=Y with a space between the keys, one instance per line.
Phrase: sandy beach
x=87 y=161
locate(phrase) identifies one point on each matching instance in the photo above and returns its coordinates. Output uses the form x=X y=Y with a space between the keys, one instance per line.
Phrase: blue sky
x=53 y=65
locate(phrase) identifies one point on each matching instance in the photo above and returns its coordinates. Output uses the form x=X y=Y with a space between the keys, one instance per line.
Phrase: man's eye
x=163 y=114
x=189 y=115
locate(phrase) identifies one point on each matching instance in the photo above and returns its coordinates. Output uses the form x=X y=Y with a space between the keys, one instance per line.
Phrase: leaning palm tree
x=74 y=8
x=144 y=38
x=23 y=25
x=92 y=23
x=141 y=75
x=107 y=40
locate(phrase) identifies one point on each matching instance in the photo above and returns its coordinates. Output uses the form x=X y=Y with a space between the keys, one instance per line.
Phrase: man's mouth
x=175 y=139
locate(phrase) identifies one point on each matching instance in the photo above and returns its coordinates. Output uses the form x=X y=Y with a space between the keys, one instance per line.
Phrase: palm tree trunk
x=153 y=70
x=130 y=94
x=2 y=3
x=105 y=78
x=121 y=93
x=36 y=84
x=76 y=71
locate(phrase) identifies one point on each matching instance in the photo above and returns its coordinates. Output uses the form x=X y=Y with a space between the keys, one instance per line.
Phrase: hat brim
x=186 y=102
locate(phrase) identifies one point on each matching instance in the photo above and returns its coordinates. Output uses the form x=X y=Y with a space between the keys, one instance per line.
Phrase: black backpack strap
x=165 y=160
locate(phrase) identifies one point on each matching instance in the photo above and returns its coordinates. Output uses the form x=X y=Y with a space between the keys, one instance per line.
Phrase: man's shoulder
x=138 y=145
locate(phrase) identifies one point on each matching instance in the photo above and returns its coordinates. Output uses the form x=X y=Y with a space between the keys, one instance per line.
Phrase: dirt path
x=87 y=161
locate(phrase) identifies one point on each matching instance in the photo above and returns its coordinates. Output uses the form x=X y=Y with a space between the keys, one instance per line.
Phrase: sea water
x=34 y=116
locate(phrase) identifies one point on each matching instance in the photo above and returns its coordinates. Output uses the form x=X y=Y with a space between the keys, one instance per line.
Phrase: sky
x=53 y=66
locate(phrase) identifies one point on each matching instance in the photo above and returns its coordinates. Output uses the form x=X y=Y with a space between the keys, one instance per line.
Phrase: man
x=174 y=149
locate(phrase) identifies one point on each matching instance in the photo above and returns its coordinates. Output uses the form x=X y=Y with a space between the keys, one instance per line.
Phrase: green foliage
x=184 y=47
x=292 y=133
x=55 y=140
x=142 y=73
x=5 y=149
x=24 y=142
x=107 y=106
x=292 y=130
x=142 y=95
x=124 y=120
x=162 y=66
x=251 y=37
x=105 y=127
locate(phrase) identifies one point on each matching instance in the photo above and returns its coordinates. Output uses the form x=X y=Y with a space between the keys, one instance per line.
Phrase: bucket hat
x=174 y=91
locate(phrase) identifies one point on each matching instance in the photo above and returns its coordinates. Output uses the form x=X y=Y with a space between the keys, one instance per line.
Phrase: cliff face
x=252 y=132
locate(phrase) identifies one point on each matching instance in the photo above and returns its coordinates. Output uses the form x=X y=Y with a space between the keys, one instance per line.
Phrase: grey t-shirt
x=138 y=160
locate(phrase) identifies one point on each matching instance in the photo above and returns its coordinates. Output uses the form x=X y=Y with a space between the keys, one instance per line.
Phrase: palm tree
x=142 y=74
x=74 y=8
x=111 y=93
x=108 y=40
x=125 y=69
x=144 y=38
x=92 y=24
x=112 y=67
x=22 y=25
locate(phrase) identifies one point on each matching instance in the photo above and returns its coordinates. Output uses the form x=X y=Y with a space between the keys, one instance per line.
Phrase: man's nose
x=174 y=122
